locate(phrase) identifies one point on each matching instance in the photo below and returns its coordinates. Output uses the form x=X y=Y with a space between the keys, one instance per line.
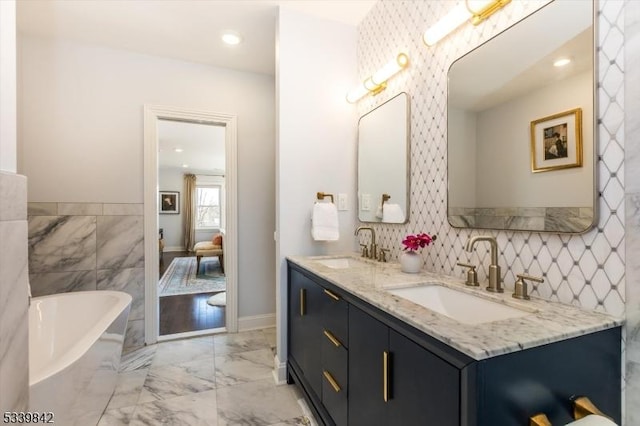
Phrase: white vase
x=411 y=262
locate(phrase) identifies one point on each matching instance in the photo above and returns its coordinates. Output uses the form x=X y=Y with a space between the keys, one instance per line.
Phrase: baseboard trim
x=279 y=371
x=172 y=249
x=256 y=321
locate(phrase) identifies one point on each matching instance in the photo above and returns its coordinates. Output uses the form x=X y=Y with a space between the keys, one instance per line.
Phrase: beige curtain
x=189 y=211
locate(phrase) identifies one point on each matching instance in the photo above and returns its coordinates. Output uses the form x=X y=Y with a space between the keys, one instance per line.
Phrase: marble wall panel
x=62 y=243
x=42 y=209
x=13 y=193
x=79 y=209
x=632 y=203
x=120 y=242
x=45 y=283
x=135 y=334
x=123 y=210
x=14 y=367
x=130 y=281
x=89 y=246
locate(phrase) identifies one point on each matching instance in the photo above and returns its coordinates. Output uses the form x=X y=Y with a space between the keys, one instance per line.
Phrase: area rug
x=219 y=299
x=180 y=277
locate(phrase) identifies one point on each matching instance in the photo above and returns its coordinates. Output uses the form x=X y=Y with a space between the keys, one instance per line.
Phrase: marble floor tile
x=242 y=367
x=180 y=351
x=117 y=417
x=140 y=358
x=128 y=389
x=182 y=383
x=240 y=342
x=263 y=404
x=272 y=338
x=197 y=410
x=172 y=380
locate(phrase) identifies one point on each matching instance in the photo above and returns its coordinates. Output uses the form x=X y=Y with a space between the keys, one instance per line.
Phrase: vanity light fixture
x=378 y=81
x=474 y=11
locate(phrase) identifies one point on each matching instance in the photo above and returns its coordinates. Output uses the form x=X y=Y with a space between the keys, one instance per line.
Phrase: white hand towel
x=324 y=222
x=392 y=213
x=592 y=420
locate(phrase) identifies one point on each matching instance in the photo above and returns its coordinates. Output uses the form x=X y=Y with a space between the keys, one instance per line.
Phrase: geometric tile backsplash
x=585 y=270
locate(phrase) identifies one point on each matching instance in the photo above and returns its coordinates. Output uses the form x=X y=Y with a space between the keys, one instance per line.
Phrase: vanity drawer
x=334 y=381
x=335 y=318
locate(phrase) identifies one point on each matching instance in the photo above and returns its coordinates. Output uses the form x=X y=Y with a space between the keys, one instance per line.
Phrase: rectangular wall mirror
x=383 y=162
x=521 y=130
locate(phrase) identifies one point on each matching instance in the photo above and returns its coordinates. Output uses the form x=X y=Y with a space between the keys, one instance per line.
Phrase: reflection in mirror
x=521 y=130
x=383 y=162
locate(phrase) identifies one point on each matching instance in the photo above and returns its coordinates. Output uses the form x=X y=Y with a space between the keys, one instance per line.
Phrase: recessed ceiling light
x=185 y=165
x=231 y=38
x=561 y=62
x=178 y=149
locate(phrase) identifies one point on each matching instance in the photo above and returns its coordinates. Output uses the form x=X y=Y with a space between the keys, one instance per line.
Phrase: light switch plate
x=366 y=202
x=342 y=202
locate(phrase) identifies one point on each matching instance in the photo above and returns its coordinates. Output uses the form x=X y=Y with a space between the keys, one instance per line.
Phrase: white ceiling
x=181 y=29
x=186 y=30
x=203 y=147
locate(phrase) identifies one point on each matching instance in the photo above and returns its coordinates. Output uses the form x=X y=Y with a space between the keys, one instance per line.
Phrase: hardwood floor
x=187 y=312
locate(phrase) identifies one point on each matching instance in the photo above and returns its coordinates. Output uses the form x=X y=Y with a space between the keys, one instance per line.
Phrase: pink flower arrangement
x=418 y=241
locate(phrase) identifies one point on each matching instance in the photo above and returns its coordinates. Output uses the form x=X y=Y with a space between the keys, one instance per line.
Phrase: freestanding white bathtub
x=75 y=344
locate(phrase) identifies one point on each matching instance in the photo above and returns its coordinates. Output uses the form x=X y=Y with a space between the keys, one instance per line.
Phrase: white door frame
x=152 y=113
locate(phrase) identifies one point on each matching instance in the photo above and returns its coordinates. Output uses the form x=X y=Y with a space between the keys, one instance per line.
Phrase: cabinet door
x=425 y=390
x=306 y=302
x=368 y=341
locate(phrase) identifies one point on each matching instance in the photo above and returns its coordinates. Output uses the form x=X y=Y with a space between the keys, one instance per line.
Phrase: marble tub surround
x=213 y=380
x=14 y=337
x=547 y=321
x=89 y=246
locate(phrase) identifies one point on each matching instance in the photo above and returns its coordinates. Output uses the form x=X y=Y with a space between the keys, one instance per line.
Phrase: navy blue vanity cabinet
x=358 y=365
x=318 y=346
x=306 y=301
x=394 y=381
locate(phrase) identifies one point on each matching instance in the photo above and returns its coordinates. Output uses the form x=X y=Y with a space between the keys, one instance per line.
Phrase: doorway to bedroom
x=191 y=219
x=213 y=212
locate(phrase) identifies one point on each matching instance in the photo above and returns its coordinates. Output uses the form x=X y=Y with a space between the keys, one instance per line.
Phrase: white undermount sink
x=458 y=305
x=342 y=262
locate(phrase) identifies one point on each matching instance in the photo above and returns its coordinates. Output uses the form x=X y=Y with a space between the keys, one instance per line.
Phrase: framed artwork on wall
x=169 y=202
x=556 y=141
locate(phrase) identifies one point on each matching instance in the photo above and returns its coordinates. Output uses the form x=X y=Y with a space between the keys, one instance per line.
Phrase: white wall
x=503 y=132
x=172 y=224
x=8 y=86
x=316 y=137
x=81 y=124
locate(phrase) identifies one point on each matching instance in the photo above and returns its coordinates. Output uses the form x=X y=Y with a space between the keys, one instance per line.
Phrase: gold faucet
x=495 y=281
x=373 y=248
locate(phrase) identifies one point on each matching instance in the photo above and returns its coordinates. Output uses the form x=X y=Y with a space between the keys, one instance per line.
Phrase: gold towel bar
x=323 y=195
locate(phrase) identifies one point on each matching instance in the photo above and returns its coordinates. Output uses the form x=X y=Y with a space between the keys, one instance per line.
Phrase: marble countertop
x=546 y=321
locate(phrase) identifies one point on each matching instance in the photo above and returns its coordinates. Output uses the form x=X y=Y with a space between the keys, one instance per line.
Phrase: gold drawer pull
x=332 y=338
x=331 y=381
x=331 y=294
x=385 y=376
x=539 y=420
x=303 y=297
x=582 y=407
